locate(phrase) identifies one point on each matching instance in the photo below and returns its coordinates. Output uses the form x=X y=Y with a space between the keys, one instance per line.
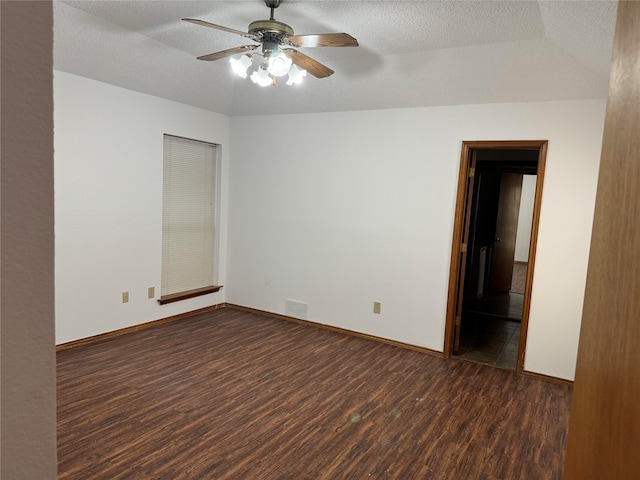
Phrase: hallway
x=491 y=327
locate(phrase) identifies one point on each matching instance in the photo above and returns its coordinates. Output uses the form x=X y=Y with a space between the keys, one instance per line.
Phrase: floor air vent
x=297 y=309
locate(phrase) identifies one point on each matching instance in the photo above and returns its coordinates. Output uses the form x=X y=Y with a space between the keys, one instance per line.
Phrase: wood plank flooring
x=236 y=395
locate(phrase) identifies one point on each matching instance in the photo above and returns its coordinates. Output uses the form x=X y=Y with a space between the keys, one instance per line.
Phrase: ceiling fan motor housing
x=272 y=34
x=270 y=27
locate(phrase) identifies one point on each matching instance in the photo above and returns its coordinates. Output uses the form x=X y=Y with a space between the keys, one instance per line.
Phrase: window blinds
x=188 y=215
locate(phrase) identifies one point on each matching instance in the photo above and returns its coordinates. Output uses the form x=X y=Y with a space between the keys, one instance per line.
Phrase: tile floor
x=491 y=328
x=490 y=340
x=503 y=305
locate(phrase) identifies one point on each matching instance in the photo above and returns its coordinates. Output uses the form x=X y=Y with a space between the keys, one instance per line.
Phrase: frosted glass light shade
x=261 y=77
x=279 y=65
x=296 y=75
x=240 y=64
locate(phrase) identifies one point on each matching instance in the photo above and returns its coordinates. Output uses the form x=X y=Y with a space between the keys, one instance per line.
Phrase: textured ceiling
x=411 y=54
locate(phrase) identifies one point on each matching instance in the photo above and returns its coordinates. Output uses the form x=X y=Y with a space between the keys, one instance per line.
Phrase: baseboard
x=142 y=326
x=547 y=378
x=133 y=328
x=337 y=329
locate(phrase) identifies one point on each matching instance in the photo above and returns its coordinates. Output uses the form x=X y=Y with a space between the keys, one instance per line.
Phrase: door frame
x=462 y=197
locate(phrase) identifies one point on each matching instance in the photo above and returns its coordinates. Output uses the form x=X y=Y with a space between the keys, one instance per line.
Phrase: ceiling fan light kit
x=279 y=65
x=276 y=61
x=261 y=77
x=296 y=75
x=240 y=64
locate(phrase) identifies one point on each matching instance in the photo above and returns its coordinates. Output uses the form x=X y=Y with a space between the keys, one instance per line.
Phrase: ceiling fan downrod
x=272 y=4
x=271 y=31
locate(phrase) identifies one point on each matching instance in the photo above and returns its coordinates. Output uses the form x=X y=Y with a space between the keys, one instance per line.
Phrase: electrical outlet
x=376 y=307
x=151 y=292
x=125 y=297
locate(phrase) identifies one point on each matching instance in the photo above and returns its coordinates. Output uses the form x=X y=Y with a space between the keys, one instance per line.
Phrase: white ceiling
x=411 y=53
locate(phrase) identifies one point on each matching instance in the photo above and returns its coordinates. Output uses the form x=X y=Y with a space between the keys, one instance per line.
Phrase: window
x=188 y=219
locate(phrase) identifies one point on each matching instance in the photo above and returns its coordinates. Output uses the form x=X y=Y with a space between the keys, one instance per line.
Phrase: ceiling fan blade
x=312 y=66
x=220 y=27
x=323 y=40
x=227 y=53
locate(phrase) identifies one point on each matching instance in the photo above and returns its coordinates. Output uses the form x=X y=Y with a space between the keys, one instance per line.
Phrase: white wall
x=342 y=209
x=108 y=182
x=337 y=210
x=525 y=218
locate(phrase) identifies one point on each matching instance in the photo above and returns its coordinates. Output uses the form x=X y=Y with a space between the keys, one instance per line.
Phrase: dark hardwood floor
x=236 y=395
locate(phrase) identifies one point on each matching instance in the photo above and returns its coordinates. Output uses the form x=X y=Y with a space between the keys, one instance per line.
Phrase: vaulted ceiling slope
x=411 y=54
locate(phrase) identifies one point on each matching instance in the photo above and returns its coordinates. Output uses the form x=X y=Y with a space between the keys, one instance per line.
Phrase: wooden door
x=464 y=251
x=604 y=428
x=504 y=246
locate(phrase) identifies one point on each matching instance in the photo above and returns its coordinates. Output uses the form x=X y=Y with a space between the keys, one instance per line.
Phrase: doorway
x=493 y=253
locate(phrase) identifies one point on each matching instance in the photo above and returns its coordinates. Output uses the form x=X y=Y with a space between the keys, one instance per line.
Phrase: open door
x=504 y=243
x=463 y=250
x=511 y=159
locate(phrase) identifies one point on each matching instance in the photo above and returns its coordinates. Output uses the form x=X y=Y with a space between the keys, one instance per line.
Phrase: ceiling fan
x=278 y=60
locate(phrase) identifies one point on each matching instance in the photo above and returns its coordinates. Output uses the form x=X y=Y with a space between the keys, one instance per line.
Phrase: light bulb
x=279 y=65
x=240 y=64
x=296 y=75
x=261 y=77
